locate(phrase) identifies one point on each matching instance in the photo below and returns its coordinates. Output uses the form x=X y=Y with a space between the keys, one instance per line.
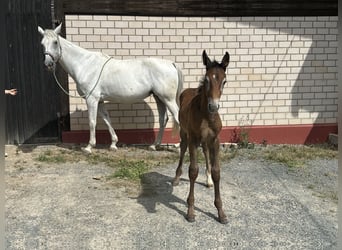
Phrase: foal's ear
x=40 y=30
x=225 y=61
x=205 y=58
x=58 y=29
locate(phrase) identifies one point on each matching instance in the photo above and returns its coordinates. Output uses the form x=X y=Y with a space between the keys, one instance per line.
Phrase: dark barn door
x=32 y=115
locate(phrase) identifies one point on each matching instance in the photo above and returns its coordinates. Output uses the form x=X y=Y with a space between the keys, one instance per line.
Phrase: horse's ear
x=40 y=30
x=58 y=29
x=225 y=61
x=205 y=58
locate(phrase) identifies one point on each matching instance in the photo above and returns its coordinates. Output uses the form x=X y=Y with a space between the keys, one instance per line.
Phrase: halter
x=60 y=85
x=55 y=60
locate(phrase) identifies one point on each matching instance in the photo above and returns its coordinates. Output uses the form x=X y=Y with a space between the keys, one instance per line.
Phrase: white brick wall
x=283 y=69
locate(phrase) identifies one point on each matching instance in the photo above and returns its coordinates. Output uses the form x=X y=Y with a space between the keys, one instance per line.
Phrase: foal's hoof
x=152 y=147
x=190 y=219
x=113 y=148
x=209 y=185
x=223 y=220
x=175 y=182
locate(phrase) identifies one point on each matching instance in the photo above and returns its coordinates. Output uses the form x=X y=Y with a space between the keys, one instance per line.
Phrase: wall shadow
x=312 y=100
x=314 y=94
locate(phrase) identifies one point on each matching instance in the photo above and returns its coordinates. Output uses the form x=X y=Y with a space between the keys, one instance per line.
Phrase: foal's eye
x=55 y=42
x=222 y=85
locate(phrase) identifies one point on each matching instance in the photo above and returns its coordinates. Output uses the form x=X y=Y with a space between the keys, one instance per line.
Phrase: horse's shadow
x=157 y=189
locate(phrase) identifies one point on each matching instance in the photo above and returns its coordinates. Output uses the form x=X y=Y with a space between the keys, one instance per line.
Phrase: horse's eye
x=55 y=42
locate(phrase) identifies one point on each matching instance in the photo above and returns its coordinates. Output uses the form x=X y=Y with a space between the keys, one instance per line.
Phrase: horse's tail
x=180 y=83
x=175 y=126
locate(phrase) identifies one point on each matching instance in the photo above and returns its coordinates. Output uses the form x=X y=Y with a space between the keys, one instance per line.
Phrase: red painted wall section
x=292 y=134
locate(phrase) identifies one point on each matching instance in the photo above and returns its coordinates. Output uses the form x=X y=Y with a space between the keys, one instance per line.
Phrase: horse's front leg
x=105 y=116
x=207 y=164
x=215 y=172
x=92 y=105
x=193 y=173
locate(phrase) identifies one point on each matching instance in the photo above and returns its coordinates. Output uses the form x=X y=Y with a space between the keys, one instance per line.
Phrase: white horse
x=101 y=78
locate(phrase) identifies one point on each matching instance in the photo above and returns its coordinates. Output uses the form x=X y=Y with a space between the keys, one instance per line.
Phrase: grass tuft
x=130 y=169
x=49 y=157
x=298 y=155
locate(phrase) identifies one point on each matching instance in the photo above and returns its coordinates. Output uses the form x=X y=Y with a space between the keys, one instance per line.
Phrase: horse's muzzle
x=49 y=61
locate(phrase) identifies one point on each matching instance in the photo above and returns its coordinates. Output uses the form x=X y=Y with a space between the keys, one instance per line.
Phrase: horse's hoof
x=86 y=150
x=113 y=148
x=209 y=185
x=152 y=147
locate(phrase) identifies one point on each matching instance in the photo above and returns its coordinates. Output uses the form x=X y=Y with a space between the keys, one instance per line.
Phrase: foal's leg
x=163 y=118
x=193 y=173
x=105 y=116
x=183 y=147
x=207 y=164
x=92 y=105
x=215 y=171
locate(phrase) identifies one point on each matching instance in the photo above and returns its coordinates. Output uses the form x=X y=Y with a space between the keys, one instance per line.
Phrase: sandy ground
x=74 y=206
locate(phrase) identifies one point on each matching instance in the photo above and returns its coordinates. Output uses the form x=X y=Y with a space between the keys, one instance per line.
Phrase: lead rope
x=85 y=95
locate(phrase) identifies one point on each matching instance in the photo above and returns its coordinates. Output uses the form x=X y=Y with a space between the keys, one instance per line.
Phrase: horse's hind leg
x=105 y=116
x=173 y=108
x=208 y=165
x=163 y=118
x=215 y=171
x=183 y=147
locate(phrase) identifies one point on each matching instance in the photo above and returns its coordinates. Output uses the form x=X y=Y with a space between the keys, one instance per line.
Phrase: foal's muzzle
x=213 y=107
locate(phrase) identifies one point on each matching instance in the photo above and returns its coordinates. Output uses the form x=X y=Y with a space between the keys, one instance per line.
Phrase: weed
x=242 y=134
x=228 y=154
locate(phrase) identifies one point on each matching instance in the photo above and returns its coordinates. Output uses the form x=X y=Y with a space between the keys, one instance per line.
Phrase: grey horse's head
x=51 y=45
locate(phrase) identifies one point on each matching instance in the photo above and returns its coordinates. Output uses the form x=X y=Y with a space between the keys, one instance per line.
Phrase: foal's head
x=214 y=80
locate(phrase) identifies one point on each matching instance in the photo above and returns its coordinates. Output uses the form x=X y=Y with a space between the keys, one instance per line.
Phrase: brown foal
x=200 y=124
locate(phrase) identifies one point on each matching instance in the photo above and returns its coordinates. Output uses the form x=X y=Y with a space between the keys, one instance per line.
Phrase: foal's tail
x=175 y=126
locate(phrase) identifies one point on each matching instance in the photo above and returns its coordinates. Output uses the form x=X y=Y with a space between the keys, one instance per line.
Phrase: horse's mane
x=50 y=33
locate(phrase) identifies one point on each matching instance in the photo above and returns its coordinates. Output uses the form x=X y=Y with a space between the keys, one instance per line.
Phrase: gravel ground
x=73 y=206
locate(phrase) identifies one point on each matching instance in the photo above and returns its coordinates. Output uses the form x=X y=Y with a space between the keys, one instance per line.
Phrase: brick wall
x=283 y=70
